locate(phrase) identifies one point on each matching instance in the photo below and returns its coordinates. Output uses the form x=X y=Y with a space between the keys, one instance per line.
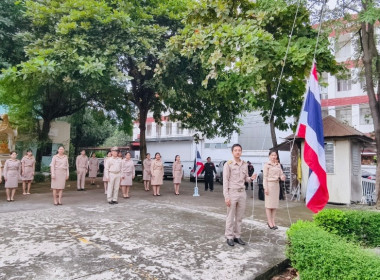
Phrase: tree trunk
x=43 y=141
x=271 y=120
x=273 y=132
x=370 y=54
x=143 y=114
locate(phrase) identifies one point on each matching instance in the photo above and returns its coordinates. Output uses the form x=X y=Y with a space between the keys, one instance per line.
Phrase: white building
x=346 y=98
x=170 y=139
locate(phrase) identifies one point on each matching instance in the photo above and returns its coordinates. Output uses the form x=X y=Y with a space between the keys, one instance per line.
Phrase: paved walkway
x=144 y=237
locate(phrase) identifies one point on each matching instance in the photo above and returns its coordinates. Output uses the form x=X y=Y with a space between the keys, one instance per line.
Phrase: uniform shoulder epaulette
x=229 y=162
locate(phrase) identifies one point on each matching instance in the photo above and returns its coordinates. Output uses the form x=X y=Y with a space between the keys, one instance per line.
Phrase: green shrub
x=73 y=176
x=354 y=225
x=318 y=254
x=38 y=178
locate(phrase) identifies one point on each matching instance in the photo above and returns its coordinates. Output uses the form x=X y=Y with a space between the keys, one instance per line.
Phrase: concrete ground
x=144 y=237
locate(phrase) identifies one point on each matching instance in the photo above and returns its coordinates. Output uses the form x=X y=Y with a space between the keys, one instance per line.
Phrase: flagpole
x=196 y=193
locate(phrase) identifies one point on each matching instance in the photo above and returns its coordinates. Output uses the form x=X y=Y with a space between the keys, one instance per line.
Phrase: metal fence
x=368 y=191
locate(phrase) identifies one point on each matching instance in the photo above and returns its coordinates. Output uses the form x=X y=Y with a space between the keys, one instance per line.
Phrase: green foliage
x=90 y=127
x=317 y=254
x=12 y=21
x=68 y=63
x=228 y=58
x=117 y=138
x=38 y=178
x=359 y=226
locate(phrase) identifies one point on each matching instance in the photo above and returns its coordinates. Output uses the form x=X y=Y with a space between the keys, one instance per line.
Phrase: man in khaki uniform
x=235 y=174
x=82 y=167
x=112 y=174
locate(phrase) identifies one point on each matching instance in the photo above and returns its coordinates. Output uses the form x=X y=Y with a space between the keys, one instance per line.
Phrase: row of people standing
x=16 y=170
x=153 y=173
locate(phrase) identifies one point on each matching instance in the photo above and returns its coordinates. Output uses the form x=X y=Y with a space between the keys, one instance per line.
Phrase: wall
x=339 y=182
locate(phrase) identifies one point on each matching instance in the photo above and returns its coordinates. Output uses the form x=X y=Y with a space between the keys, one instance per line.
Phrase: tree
x=90 y=127
x=361 y=18
x=155 y=22
x=68 y=63
x=228 y=58
x=11 y=23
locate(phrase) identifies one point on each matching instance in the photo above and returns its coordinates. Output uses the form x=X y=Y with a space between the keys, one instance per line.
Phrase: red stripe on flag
x=321 y=196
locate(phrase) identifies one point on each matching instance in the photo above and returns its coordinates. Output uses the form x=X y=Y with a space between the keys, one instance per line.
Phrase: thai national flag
x=311 y=129
x=198 y=164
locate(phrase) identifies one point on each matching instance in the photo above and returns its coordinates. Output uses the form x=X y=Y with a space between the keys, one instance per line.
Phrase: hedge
x=318 y=254
x=359 y=226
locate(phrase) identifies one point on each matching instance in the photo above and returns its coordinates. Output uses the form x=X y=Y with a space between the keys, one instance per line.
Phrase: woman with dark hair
x=59 y=168
x=105 y=181
x=12 y=172
x=93 y=168
x=177 y=173
x=146 y=173
x=127 y=174
x=272 y=174
x=27 y=167
x=157 y=171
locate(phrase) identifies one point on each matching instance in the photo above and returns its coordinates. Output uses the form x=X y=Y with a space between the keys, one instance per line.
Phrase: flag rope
x=274 y=101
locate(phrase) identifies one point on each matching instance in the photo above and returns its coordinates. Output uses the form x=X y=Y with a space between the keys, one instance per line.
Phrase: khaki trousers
x=235 y=213
x=81 y=178
x=113 y=186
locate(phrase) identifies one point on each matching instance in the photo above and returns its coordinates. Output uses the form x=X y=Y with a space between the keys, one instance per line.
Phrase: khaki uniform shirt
x=235 y=174
x=272 y=173
x=113 y=165
x=82 y=162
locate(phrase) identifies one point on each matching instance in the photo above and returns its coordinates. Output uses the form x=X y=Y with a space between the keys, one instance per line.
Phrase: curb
x=273 y=271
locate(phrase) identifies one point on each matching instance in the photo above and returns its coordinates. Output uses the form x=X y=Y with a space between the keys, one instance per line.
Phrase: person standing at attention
x=112 y=173
x=146 y=173
x=127 y=174
x=104 y=178
x=82 y=167
x=28 y=167
x=93 y=167
x=12 y=174
x=251 y=170
x=209 y=170
x=272 y=174
x=235 y=174
x=177 y=173
x=157 y=171
x=59 y=168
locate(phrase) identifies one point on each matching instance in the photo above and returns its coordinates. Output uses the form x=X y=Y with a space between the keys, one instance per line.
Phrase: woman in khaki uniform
x=105 y=180
x=272 y=174
x=12 y=172
x=93 y=167
x=177 y=174
x=59 y=168
x=146 y=173
x=127 y=174
x=157 y=171
x=28 y=166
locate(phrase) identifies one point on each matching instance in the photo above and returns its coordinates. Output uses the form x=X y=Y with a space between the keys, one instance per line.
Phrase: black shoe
x=274 y=227
x=238 y=240
x=78 y=190
x=270 y=226
x=230 y=242
x=110 y=202
x=84 y=190
x=115 y=202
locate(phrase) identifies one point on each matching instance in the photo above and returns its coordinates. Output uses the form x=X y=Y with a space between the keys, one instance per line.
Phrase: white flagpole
x=196 y=193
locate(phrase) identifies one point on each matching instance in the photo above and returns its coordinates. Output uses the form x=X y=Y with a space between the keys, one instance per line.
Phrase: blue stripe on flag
x=314 y=116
